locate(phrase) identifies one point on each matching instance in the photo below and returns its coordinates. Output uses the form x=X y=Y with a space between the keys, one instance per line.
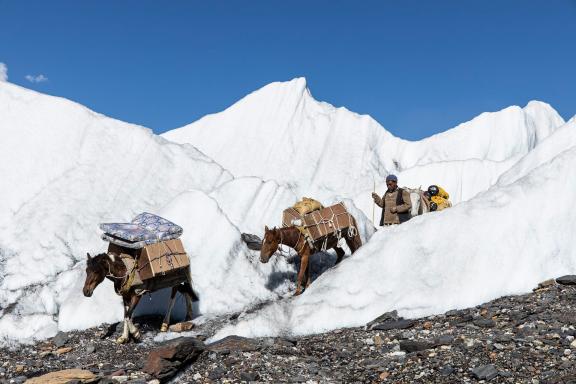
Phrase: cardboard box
x=327 y=221
x=289 y=216
x=163 y=258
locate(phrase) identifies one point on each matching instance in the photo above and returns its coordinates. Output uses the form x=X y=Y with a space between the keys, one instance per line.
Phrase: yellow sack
x=442 y=193
x=307 y=205
x=441 y=203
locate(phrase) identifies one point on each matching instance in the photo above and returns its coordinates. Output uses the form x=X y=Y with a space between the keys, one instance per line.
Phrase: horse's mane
x=98 y=259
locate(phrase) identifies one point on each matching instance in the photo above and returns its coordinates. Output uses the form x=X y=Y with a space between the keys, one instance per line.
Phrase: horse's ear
x=89 y=257
x=266 y=228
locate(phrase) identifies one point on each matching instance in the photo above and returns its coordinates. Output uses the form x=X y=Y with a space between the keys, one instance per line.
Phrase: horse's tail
x=190 y=288
x=194 y=295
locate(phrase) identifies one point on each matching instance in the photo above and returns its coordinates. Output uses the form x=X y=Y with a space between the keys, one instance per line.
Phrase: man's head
x=391 y=183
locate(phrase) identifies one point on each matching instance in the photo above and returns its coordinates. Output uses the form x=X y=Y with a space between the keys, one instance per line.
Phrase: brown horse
x=113 y=268
x=293 y=238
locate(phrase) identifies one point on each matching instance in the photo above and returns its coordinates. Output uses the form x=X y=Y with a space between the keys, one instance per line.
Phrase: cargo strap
x=332 y=221
x=130 y=276
x=167 y=254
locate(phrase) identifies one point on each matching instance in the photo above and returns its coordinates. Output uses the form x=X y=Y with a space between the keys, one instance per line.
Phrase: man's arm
x=377 y=200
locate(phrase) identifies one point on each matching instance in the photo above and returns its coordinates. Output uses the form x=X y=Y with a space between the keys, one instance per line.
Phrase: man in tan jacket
x=395 y=203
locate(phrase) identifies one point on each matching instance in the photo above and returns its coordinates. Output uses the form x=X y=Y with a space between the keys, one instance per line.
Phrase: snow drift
x=70 y=168
x=502 y=242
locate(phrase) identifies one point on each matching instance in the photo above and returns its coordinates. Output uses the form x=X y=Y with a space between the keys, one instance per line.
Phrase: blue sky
x=418 y=67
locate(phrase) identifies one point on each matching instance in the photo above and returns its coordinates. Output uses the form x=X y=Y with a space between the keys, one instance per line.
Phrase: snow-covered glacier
x=66 y=168
x=504 y=241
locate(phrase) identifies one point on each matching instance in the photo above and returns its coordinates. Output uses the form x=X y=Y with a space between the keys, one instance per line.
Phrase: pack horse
x=143 y=256
x=309 y=228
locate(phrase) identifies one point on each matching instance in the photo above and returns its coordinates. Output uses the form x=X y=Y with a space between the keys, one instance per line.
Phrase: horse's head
x=95 y=273
x=269 y=244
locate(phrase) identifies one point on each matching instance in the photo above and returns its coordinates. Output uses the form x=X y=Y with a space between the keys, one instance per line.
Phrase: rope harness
x=333 y=221
x=127 y=278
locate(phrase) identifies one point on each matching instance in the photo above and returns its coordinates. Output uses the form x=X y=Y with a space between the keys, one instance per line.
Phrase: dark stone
x=90 y=348
x=283 y=342
x=567 y=280
x=410 y=346
x=234 y=343
x=386 y=317
x=503 y=338
x=393 y=324
x=60 y=339
x=166 y=360
x=249 y=376
x=119 y=372
x=484 y=323
x=374 y=363
x=216 y=373
x=485 y=372
x=444 y=340
x=447 y=370
x=253 y=242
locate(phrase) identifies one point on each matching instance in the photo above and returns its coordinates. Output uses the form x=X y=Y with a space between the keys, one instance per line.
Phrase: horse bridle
x=281 y=242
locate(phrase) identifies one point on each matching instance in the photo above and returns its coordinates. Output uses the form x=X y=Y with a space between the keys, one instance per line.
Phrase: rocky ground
x=515 y=339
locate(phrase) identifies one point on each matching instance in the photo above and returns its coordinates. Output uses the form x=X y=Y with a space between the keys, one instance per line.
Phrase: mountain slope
x=502 y=242
x=281 y=133
x=70 y=168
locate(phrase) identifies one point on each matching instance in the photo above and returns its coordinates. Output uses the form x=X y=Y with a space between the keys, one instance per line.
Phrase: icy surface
x=502 y=242
x=281 y=133
x=66 y=169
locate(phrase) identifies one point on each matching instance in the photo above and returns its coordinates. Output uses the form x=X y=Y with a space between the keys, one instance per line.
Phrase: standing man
x=395 y=203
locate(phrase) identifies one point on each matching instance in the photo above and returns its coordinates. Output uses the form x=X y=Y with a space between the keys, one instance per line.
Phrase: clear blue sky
x=418 y=67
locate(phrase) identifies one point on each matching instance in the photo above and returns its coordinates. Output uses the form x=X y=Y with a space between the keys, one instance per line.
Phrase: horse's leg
x=353 y=243
x=166 y=321
x=125 y=332
x=134 y=331
x=308 y=273
x=303 y=265
x=339 y=253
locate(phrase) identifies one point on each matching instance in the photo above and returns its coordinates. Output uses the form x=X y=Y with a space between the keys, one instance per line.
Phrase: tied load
x=149 y=241
x=317 y=222
x=143 y=256
x=438 y=198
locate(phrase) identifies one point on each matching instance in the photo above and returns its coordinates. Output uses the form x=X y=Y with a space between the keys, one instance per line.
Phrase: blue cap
x=391 y=178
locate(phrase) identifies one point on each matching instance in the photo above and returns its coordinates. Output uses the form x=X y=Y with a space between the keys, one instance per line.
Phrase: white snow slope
x=281 y=133
x=67 y=168
x=502 y=242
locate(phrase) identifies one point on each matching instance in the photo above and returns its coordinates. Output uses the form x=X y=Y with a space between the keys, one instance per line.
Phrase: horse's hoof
x=121 y=340
x=164 y=327
x=297 y=293
x=136 y=336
